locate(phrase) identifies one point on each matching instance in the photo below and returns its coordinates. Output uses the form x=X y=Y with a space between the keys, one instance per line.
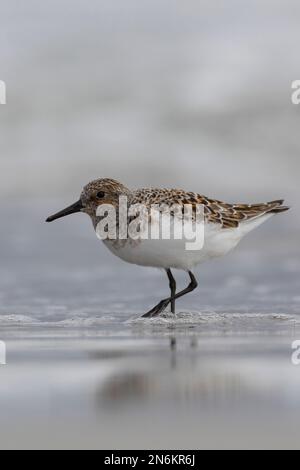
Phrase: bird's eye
x=100 y=195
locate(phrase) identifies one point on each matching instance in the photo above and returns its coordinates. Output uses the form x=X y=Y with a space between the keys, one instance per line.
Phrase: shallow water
x=85 y=371
x=140 y=391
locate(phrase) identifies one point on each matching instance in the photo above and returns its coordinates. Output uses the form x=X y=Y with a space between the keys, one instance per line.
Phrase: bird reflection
x=181 y=375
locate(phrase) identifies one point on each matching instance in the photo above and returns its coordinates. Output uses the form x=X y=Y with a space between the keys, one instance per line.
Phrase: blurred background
x=195 y=95
x=192 y=94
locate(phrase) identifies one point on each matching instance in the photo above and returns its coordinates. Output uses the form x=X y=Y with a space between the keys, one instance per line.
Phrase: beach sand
x=84 y=371
x=151 y=387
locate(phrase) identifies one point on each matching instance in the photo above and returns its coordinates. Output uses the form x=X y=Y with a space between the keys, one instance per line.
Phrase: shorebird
x=224 y=226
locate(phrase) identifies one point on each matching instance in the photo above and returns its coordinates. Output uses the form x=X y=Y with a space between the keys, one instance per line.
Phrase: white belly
x=174 y=254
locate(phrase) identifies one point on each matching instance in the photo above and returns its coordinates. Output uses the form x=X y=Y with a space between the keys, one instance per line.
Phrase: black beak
x=73 y=209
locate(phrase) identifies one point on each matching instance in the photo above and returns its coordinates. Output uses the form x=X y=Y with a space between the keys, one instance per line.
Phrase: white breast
x=173 y=253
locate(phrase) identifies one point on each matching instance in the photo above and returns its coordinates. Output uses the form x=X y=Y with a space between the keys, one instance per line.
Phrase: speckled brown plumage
x=218 y=212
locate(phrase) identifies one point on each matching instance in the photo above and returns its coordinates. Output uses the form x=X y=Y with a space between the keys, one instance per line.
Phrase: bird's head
x=94 y=194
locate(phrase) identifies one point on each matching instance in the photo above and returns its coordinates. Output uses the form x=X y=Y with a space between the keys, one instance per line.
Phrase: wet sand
x=84 y=371
x=151 y=386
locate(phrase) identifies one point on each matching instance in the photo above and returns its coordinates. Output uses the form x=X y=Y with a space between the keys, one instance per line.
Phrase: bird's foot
x=158 y=309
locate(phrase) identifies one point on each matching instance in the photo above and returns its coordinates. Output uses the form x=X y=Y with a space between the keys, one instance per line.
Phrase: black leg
x=172 y=288
x=159 y=308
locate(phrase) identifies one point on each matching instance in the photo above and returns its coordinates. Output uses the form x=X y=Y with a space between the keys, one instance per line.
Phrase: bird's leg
x=159 y=308
x=172 y=288
x=164 y=303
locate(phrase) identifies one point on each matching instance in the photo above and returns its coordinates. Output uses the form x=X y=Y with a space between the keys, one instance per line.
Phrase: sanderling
x=224 y=226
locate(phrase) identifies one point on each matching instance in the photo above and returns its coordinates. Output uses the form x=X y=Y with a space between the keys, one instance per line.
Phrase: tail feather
x=260 y=212
x=276 y=207
x=234 y=215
